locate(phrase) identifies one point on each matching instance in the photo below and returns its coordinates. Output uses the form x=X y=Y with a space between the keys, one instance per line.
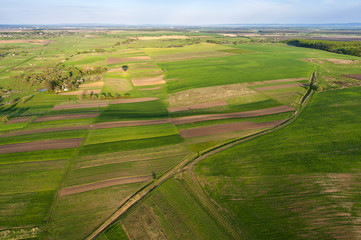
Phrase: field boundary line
x=194 y=159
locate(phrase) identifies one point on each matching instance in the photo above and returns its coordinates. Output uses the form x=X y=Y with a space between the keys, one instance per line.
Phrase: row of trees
x=349 y=48
x=60 y=78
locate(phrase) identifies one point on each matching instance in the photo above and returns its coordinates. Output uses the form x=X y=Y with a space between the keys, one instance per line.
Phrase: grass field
x=314 y=160
x=309 y=176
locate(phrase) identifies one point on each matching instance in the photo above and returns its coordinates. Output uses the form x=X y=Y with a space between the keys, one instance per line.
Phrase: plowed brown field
x=41 y=145
x=45 y=130
x=134 y=100
x=19 y=120
x=148 y=81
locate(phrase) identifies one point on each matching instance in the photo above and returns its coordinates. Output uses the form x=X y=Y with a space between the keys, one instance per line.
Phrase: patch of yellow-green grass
x=287 y=96
x=208 y=94
x=117 y=85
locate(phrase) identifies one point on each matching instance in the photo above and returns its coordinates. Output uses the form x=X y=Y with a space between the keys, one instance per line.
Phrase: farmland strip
x=41 y=145
x=230 y=127
x=66 y=117
x=254 y=113
x=19 y=120
x=80 y=105
x=103 y=184
x=45 y=130
x=134 y=100
x=199 y=106
x=129 y=123
x=278 y=86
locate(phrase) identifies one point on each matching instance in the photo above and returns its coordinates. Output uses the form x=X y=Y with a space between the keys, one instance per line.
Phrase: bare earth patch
x=93 y=84
x=354 y=76
x=146 y=89
x=199 y=106
x=33 y=41
x=255 y=113
x=275 y=81
x=207 y=94
x=19 y=120
x=129 y=123
x=83 y=92
x=80 y=105
x=41 y=145
x=341 y=61
x=279 y=86
x=103 y=184
x=223 y=128
x=66 y=117
x=45 y=130
x=134 y=100
x=128 y=59
x=148 y=81
x=163 y=37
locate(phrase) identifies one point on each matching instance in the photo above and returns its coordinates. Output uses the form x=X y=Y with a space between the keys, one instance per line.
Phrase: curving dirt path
x=255 y=113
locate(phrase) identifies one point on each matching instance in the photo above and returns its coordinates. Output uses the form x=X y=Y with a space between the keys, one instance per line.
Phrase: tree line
x=60 y=78
x=349 y=48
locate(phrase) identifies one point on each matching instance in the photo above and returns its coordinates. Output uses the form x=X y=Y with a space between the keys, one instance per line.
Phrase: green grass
x=116 y=232
x=24 y=209
x=35 y=156
x=129 y=133
x=31 y=177
x=133 y=111
x=130 y=144
x=169 y=212
x=304 y=172
x=90 y=208
x=42 y=136
x=235 y=69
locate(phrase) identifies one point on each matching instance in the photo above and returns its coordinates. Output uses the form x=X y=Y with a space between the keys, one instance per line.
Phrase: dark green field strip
x=273 y=117
x=171 y=212
x=308 y=172
x=36 y=156
x=31 y=177
x=245 y=114
x=41 y=145
x=143 y=110
x=80 y=105
x=115 y=232
x=130 y=145
x=236 y=51
x=65 y=117
x=130 y=133
x=42 y=136
x=121 y=170
x=24 y=209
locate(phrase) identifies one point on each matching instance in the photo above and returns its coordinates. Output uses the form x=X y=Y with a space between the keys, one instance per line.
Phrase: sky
x=179 y=12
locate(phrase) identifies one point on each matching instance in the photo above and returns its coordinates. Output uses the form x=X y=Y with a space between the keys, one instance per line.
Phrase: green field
x=299 y=182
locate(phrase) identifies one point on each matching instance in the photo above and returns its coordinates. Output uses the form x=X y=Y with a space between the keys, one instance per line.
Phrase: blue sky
x=179 y=12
